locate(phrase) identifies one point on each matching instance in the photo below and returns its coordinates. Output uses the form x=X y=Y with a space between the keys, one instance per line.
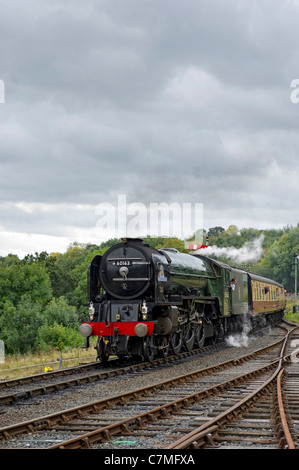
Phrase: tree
x=64 y=273
x=231 y=229
x=17 y=280
x=215 y=231
x=279 y=262
x=19 y=326
x=172 y=243
x=59 y=311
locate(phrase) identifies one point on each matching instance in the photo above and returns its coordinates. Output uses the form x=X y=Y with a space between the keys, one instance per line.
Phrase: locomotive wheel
x=200 y=334
x=164 y=347
x=103 y=355
x=176 y=341
x=148 y=348
x=189 y=337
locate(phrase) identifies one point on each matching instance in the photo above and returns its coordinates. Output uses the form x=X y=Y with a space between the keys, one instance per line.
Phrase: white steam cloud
x=251 y=251
x=240 y=339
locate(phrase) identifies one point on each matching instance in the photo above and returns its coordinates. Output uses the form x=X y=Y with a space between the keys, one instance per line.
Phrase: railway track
x=261 y=418
x=199 y=409
x=24 y=388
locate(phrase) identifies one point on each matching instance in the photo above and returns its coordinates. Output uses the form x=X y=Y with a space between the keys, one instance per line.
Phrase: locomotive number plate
x=123 y=262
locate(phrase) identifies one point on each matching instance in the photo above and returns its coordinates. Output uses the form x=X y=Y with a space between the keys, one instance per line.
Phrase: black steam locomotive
x=147 y=302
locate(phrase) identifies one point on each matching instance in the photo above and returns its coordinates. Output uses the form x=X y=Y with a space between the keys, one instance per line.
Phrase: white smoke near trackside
x=237 y=340
x=251 y=251
x=240 y=339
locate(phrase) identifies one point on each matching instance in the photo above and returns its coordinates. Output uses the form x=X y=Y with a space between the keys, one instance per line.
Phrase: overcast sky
x=174 y=101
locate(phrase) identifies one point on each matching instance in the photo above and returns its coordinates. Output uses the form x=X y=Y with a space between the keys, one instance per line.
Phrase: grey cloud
x=181 y=101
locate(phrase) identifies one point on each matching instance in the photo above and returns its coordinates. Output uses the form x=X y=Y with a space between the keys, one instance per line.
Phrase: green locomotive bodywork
x=209 y=278
x=146 y=301
x=188 y=272
x=241 y=300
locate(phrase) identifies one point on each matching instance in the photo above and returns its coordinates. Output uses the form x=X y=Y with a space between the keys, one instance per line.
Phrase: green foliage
x=172 y=243
x=63 y=273
x=57 y=336
x=289 y=314
x=279 y=261
x=43 y=297
x=40 y=291
x=18 y=326
x=17 y=279
x=59 y=311
x=215 y=231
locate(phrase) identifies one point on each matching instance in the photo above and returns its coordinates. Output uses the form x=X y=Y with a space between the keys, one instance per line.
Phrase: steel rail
x=286 y=431
x=46 y=375
x=62 y=385
x=4 y=384
x=106 y=432
x=79 y=380
x=58 y=386
x=48 y=421
x=44 y=421
x=192 y=438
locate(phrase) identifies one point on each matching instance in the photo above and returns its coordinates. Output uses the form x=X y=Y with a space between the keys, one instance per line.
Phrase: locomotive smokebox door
x=126 y=271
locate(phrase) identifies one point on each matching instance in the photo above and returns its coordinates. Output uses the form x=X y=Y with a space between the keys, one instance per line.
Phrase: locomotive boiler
x=147 y=302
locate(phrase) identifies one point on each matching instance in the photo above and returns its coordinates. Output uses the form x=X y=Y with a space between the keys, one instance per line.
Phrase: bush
x=294 y=317
x=59 y=311
x=18 y=325
x=58 y=337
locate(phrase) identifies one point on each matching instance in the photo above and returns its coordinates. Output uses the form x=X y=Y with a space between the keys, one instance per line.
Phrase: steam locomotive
x=148 y=302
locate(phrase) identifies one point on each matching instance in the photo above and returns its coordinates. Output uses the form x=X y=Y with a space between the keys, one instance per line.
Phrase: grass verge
x=22 y=365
